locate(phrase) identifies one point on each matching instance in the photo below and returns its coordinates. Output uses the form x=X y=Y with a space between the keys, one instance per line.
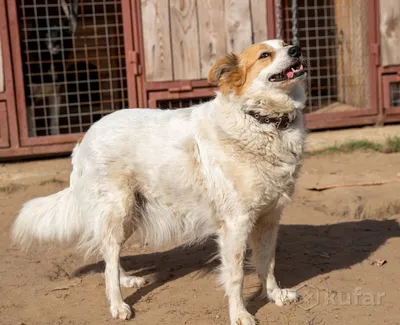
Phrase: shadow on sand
x=303 y=252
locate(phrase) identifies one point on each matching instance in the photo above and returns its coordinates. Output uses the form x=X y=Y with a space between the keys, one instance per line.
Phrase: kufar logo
x=311 y=297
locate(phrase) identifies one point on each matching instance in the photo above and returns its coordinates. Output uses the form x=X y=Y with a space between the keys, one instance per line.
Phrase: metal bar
x=89 y=81
x=116 y=10
x=278 y=20
x=41 y=67
x=109 y=55
x=294 y=21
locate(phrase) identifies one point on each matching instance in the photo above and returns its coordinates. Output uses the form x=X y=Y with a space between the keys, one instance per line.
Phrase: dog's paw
x=132 y=281
x=123 y=311
x=244 y=318
x=283 y=296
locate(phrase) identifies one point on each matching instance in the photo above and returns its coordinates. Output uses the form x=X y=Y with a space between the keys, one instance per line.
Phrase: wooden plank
x=211 y=33
x=259 y=20
x=237 y=25
x=4 y=137
x=185 y=39
x=390 y=32
x=353 y=53
x=2 y=88
x=156 y=40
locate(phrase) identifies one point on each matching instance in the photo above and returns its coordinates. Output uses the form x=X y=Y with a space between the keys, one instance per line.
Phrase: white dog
x=221 y=168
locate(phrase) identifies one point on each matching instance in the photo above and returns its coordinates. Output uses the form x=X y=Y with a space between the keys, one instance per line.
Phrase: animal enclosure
x=66 y=63
x=334 y=35
x=74 y=78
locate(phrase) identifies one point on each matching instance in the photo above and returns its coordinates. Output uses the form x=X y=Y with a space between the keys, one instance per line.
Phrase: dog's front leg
x=263 y=244
x=232 y=240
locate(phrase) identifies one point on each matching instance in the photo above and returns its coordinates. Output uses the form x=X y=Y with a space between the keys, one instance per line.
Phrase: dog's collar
x=280 y=122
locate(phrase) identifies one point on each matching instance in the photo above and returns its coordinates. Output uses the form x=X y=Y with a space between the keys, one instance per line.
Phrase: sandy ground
x=327 y=246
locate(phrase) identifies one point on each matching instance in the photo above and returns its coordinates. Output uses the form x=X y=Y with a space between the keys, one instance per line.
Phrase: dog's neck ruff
x=281 y=122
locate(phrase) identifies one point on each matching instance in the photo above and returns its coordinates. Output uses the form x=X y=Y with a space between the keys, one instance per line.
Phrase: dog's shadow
x=303 y=252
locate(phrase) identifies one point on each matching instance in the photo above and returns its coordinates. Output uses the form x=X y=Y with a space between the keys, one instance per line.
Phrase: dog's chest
x=262 y=180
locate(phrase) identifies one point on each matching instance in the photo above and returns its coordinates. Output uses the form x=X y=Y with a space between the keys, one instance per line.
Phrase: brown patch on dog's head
x=227 y=72
x=236 y=72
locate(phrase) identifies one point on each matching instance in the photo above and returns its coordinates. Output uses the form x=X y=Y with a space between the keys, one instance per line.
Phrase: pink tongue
x=290 y=74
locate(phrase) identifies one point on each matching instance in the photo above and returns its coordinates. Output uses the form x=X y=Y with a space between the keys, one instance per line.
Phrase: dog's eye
x=264 y=55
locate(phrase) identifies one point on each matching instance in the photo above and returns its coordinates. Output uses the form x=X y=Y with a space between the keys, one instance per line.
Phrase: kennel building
x=66 y=63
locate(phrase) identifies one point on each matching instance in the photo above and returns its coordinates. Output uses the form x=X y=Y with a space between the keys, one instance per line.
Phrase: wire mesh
x=395 y=94
x=181 y=103
x=333 y=35
x=72 y=78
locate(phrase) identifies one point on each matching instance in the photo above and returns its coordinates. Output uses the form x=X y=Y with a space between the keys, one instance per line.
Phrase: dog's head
x=265 y=66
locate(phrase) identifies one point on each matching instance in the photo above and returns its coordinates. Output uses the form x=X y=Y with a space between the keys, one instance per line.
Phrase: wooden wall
x=1 y=69
x=353 y=66
x=390 y=32
x=183 y=38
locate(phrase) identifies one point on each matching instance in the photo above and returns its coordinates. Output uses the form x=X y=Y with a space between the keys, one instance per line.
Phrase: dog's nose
x=294 y=51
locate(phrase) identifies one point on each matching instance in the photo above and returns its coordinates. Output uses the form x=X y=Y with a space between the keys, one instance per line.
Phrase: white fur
x=181 y=176
x=53 y=218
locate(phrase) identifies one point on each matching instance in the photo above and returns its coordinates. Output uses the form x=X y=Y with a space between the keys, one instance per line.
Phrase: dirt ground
x=327 y=246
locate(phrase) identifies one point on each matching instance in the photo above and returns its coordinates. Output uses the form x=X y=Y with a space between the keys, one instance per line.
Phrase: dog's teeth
x=293 y=69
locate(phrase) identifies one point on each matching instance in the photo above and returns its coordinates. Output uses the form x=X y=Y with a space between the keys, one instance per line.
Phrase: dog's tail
x=56 y=218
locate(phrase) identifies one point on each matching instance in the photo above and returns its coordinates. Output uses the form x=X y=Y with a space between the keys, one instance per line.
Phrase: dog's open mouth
x=294 y=71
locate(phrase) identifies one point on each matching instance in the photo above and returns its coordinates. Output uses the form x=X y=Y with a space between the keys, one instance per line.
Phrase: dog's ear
x=223 y=67
x=227 y=72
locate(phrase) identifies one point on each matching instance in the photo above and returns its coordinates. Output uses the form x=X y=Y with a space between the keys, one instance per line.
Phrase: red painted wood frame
x=4 y=133
x=23 y=145
x=8 y=118
x=167 y=95
x=388 y=75
x=390 y=113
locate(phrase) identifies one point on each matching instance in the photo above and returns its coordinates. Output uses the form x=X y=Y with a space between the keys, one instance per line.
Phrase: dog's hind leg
x=111 y=250
x=116 y=228
x=119 y=208
x=130 y=281
x=263 y=244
